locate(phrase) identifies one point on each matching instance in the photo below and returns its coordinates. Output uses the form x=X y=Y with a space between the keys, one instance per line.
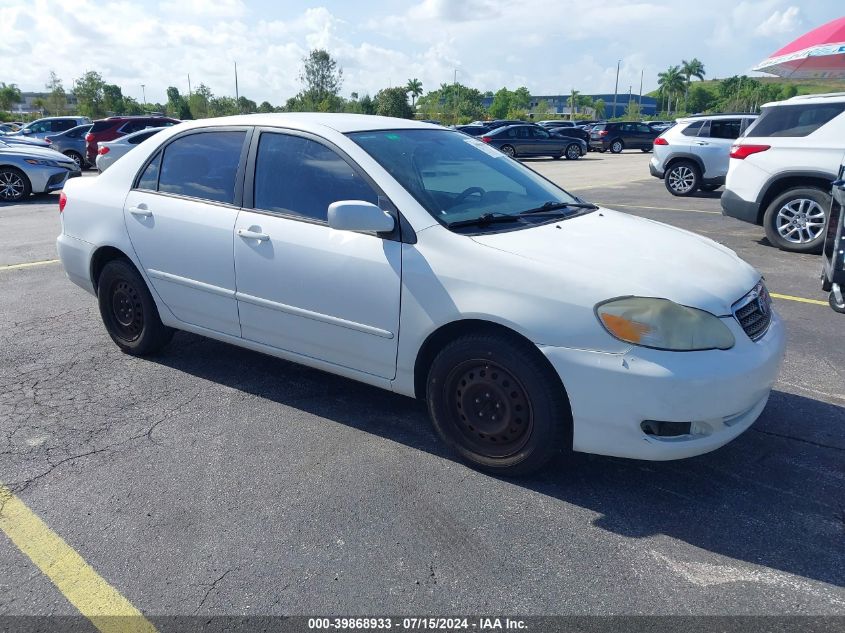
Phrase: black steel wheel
x=129 y=311
x=498 y=403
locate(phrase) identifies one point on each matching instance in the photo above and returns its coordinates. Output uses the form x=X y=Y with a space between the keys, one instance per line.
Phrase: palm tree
x=671 y=82
x=414 y=86
x=690 y=69
x=573 y=104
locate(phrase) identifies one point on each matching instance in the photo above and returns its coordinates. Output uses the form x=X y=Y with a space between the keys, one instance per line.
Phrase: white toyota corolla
x=417 y=259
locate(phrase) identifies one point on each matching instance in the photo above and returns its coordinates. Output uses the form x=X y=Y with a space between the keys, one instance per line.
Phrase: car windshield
x=457 y=178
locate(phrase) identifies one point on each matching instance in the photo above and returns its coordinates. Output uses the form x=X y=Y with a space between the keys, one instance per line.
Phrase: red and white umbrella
x=819 y=54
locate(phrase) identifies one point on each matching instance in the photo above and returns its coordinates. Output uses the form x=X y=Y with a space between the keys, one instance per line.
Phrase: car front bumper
x=721 y=392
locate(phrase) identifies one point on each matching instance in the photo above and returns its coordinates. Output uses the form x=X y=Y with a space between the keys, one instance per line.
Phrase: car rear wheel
x=682 y=178
x=76 y=158
x=617 y=146
x=573 y=152
x=836 y=305
x=645 y=150
x=14 y=185
x=509 y=150
x=795 y=220
x=498 y=404
x=128 y=310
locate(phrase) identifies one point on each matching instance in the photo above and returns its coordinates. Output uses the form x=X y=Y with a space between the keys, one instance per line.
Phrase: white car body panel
x=362 y=307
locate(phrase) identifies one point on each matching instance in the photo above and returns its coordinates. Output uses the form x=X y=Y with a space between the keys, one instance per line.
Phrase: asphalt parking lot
x=214 y=480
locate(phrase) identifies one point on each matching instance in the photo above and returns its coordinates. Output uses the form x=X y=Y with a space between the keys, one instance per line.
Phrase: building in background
x=29 y=103
x=559 y=104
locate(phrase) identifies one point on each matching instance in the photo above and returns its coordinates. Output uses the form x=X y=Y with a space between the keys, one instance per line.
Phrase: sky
x=549 y=46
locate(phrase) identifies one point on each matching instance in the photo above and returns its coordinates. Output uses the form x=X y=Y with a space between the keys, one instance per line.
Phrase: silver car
x=71 y=143
x=110 y=151
x=51 y=125
x=26 y=169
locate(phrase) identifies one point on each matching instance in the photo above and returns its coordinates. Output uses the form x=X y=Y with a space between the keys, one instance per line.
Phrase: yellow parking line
x=96 y=599
x=816 y=302
x=639 y=206
x=28 y=264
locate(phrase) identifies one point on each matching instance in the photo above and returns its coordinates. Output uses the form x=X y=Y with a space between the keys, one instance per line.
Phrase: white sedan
x=417 y=259
x=109 y=151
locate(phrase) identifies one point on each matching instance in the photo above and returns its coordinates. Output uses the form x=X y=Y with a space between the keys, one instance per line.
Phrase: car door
x=713 y=145
x=543 y=143
x=645 y=136
x=302 y=286
x=181 y=215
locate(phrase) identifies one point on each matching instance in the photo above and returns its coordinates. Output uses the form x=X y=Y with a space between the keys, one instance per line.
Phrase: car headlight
x=663 y=324
x=42 y=161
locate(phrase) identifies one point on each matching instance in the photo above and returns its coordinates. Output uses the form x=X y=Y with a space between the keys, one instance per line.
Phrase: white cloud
x=780 y=22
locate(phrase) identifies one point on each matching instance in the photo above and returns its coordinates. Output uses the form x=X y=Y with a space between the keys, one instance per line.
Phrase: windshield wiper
x=554 y=206
x=484 y=219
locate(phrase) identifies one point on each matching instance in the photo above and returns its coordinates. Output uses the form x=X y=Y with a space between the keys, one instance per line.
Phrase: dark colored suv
x=117 y=126
x=622 y=135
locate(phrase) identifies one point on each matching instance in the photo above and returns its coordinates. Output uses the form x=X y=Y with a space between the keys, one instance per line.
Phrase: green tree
x=542 y=107
x=265 y=107
x=131 y=106
x=219 y=106
x=632 y=111
x=368 y=106
x=788 y=91
x=700 y=99
x=113 y=99
x=501 y=103
x=56 y=99
x=9 y=96
x=394 y=102
x=321 y=76
x=177 y=106
x=521 y=99
x=415 y=89
x=246 y=106
x=598 y=108
x=671 y=83
x=89 y=94
x=39 y=104
x=690 y=69
x=572 y=102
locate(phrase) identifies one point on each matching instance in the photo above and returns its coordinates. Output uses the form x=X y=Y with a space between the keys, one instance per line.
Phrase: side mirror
x=358 y=215
x=26 y=130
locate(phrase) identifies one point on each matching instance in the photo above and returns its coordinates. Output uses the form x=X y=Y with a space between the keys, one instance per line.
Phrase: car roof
x=721 y=115
x=827 y=97
x=339 y=122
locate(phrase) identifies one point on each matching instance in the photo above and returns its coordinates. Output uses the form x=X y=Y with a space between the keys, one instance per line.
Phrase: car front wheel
x=129 y=311
x=682 y=178
x=573 y=152
x=14 y=185
x=795 y=220
x=76 y=158
x=617 y=146
x=498 y=404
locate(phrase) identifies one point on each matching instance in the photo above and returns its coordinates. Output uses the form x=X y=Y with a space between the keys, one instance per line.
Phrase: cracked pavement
x=213 y=480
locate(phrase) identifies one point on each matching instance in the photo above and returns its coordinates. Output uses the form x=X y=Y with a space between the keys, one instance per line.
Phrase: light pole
x=144 y=94
x=616 y=89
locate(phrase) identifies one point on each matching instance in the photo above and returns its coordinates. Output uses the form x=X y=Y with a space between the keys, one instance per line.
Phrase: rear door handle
x=252 y=235
x=701 y=143
x=141 y=212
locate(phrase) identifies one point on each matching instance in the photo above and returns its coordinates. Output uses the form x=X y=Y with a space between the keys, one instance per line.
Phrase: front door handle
x=252 y=235
x=141 y=212
x=701 y=143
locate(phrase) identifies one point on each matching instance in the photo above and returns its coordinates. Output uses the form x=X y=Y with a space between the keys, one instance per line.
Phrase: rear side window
x=202 y=165
x=692 y=129
x=140 y=138
x=794 y=120
x=99 y=126
x=134 y=126
x=298 y=176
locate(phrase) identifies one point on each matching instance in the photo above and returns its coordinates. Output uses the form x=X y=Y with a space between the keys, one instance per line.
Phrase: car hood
x=34 y=152
x=607 y=254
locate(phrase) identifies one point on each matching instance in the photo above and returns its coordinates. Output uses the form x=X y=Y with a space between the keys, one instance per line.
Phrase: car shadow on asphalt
x=774 y=497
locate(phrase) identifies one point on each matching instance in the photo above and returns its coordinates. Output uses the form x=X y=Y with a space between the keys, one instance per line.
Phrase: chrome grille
x=754 y=312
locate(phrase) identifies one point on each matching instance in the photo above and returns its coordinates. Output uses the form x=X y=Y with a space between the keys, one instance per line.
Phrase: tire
x=682 y=178
x=617 y=146
x=645 y=150
x=128 y=310
x=76 y=158
x=573 y=152
x=709 y=187
x=485 y=375
x=557 y=156
x=838 y=307
x=14 y=185
x=509 y=150
x=794 y=221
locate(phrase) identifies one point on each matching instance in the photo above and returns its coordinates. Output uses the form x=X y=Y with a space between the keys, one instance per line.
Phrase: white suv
x=782 y=167
x=693 y=154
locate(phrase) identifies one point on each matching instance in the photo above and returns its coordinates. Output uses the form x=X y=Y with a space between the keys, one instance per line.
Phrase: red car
x=117 y=126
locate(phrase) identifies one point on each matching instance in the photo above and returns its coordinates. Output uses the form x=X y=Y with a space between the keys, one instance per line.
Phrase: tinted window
x=133 y=126
x=642 y=127
x=62 y=125
x=39 y=127
x=725 y=128
x=299 y=176
x=538 y=133
x=794 y=120
x=149 y=179
x=692 y=129
x=202 y=165
x=99 y=126
x=140 y=138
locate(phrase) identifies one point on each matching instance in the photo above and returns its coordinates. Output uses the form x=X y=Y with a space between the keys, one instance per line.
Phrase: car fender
x=676 y=156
